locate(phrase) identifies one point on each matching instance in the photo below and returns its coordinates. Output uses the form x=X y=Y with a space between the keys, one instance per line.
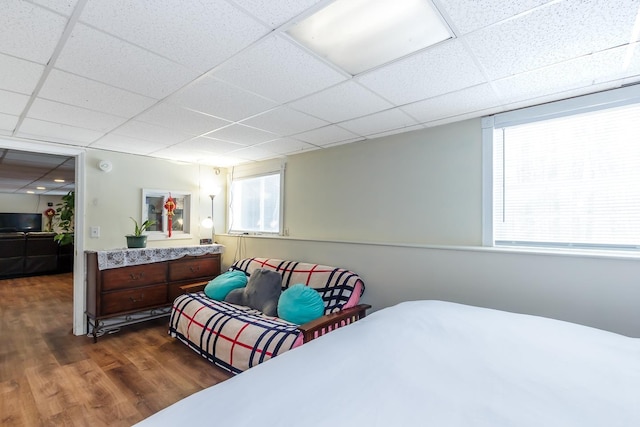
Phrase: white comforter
x=432 y=363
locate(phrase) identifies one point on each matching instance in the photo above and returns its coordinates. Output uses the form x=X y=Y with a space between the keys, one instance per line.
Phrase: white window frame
x=265 y=168
x=593 y=102
x=164 y=233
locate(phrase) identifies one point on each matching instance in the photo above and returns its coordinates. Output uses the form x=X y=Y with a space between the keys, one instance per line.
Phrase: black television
x=24 y=222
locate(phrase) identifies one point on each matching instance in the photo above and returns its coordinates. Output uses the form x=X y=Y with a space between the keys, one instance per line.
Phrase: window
x=153 y=202
x=566 y=175
x=255 y=200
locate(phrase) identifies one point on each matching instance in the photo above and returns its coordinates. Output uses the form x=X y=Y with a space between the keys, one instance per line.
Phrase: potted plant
x=137 y=239
x=64 y=216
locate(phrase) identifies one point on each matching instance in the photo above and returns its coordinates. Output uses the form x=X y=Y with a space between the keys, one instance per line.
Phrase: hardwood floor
x=49 y=377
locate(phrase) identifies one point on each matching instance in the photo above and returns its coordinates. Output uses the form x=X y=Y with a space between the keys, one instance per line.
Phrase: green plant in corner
x=64 y=219
x=139 y=229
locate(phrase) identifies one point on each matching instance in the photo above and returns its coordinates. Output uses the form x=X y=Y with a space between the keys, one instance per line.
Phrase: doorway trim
x=79 y=289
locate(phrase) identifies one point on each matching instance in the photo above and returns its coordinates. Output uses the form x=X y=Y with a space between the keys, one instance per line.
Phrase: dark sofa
x=33 y=253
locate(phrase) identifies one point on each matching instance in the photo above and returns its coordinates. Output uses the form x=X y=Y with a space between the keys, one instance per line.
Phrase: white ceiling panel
x=182 y=120
x=209 y=146
x=12 y=103
x=145 y=131
x=278 y=69
x=216 y=29
x=64 y=7
x=470 y=15
x=131 y=145
x=553 y=34
x=327 y=135
x=38 y=129
x=8 y=122
x=285 y=121
x=580 y=72
x=157 y=75
x=443 y=68
x=287 y=146
x=342 y=102
x=74 y=90
x=28 y=31
x=275 y=12
x=244 y=135
x=18 y=75
x=453 y=104
x=99 y=56
x=211 y=96
x=255 y=153
x=379 y=122
x=74 y=116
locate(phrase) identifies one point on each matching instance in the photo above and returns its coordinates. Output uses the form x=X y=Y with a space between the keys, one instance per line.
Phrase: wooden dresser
x=118 y=296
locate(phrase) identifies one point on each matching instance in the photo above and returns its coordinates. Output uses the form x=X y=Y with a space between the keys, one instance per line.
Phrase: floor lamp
x=208 y=222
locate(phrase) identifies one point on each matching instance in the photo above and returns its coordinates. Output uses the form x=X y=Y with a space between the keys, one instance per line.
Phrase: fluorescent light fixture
x=58 y=180
x=358 y=35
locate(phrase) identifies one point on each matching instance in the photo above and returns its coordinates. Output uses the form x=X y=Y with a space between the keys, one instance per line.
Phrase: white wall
x=113 y=197
x=419 y=196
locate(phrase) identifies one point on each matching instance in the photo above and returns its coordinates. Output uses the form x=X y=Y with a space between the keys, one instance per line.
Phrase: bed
x=433 y=363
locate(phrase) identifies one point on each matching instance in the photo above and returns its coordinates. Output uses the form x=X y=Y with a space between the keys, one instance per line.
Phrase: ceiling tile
x=255 y=153
x=12 y=103
x=220 y=99
x=534 y=40
x=64 y=7
x=567 y=75
x=446 y=67
x=242 y=135
x=70 y=89
x=452 y=104
x=18 y=75
x=28 y=31
x=287 y=146
x=379 y=122
x=57 y=132
x=188 y=152
x=74 y=116
x=181 y=119
x=144 y=131
x=279 y=70
x=196 y=34
x=327 y=135
x=275 y=12
x=96 y=55
x=209 y=145
x=129 y=145
x=285 y=121
x=342 y=102
x=470 y=15
x=8 y=122
x=395 y=131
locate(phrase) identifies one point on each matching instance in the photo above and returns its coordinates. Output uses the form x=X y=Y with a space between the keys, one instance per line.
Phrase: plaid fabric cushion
x=233 y=337
x=335 y=285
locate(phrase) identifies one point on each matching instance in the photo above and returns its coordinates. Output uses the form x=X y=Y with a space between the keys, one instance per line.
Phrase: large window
x=255 y=199
x=566 y=175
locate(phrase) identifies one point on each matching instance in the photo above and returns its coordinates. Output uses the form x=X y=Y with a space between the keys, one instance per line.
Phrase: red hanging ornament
x=170 y=206
x=49 y=213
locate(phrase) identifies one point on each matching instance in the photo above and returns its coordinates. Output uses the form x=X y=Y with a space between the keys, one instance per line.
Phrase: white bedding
x=432 y=363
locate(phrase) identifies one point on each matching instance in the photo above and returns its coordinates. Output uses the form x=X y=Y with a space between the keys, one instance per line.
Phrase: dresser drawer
x=134 y=276
x=194 y=268
x=133 y=299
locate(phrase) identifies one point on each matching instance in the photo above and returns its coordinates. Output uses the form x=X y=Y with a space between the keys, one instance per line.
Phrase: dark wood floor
x=49 y=377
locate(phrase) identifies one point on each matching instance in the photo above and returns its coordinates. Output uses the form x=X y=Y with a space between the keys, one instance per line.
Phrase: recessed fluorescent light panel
x=358 y=35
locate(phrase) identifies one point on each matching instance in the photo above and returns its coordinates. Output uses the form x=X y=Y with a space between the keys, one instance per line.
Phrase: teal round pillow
x=221 y=285
x=300 y=304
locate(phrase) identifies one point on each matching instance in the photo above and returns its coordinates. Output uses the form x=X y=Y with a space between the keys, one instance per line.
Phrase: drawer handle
x=136 y=276
x=137 y=300
x=194 y=268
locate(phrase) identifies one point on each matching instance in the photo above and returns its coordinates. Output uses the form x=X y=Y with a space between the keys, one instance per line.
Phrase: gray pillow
x=261 y=293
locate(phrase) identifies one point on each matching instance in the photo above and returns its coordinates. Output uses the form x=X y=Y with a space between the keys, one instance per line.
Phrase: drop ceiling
x=221 y=83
